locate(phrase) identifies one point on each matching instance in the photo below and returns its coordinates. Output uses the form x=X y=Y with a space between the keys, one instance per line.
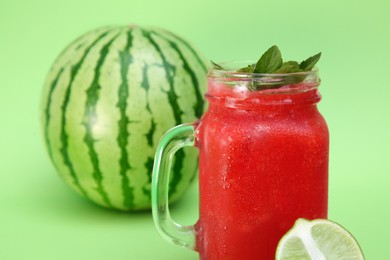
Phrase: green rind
x=90 y=118
x=47 y=111
x=59 y=130
x=170 y=71
x=198 y=107
x=64 y=135
x=59 y=70
x=122 y=139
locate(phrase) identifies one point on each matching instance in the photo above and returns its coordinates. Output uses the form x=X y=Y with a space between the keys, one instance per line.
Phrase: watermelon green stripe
x=170 y=71
x=149 y=135
x=198 y=107
x=64 y=135
x=52 y=88
x=145 y=86
x=149 y=167
x=47 y=111
x=123 y=135
x=91 y=118
x=177 y=168
x=197 y=57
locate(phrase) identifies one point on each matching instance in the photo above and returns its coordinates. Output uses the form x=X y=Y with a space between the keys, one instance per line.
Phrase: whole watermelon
x=108 y=99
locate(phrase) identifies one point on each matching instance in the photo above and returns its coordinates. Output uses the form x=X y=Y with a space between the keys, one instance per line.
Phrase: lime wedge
x=318 y=239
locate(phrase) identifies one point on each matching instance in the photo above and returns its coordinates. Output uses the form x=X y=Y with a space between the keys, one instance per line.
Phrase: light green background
x=41 y=218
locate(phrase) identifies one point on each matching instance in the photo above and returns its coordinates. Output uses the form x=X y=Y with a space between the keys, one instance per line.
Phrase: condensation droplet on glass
x=224 y=247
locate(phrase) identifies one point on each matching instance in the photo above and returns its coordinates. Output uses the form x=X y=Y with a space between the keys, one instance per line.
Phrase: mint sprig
x=216 y=66
x=309 y=63
x=288 y=67
x=271 y=62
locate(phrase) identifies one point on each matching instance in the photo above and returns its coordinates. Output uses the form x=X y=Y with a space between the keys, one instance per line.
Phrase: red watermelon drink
x=263 y=164
x=263 y=148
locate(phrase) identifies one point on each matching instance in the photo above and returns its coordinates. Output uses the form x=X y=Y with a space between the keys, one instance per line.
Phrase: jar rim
x=231 y=67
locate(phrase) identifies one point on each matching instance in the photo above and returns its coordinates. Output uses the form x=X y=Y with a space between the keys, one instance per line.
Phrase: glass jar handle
x=176 y=138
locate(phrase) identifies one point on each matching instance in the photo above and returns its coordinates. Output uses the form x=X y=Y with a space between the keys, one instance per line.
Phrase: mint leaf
x=270 y=61
x=216 y=66
x=288 y=67
x=247 y=69
x=309 y=63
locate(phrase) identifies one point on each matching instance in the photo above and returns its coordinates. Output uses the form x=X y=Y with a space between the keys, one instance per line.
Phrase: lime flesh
x=318 y=239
